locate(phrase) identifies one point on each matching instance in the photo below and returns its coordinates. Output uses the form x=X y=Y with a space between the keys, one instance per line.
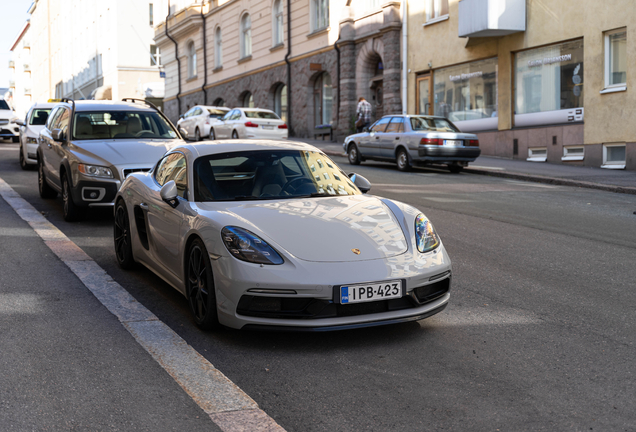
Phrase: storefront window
x=466 y=92
x=549 y=78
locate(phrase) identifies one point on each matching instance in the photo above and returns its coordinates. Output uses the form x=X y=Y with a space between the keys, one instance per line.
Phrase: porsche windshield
x=268 y=174
x=121 y=125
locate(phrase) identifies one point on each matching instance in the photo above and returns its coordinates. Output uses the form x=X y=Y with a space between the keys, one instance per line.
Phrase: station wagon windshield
x=432 y=125
x=268 y=175
x=121 y=125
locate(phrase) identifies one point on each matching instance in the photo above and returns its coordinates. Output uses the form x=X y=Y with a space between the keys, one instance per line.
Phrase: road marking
x=222 y=400
x=487 y=167
x=12 y=148
x=522 y=183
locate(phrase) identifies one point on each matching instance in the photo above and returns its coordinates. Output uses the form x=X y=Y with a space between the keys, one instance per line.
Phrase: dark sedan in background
x=412 y=140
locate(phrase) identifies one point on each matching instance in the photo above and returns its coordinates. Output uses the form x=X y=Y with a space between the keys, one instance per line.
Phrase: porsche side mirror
x=183 y=132
x=169 y=193
x=361 y=183
x=57 y=135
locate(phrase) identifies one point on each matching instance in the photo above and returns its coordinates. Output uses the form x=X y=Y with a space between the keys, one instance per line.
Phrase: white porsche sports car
x=274 y=235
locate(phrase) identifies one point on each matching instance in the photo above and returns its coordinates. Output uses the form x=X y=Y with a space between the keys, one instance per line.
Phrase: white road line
x=12 y=148
x=522 y=183
x=226 y=404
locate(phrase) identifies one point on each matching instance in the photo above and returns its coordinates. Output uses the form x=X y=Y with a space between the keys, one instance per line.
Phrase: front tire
x=403 y=162
x=72 y=212
x=235 y=135
x=23 y=163
x=46 y=191
x=200 y=287
x=197 y=135
x=122 y=237
x=212 y=136
x=353 y=155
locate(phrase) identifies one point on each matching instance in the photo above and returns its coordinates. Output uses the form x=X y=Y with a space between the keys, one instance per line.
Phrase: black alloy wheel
x=403 y=162
x=200 y=287
x=23 y=163
x=234 y=135
x=197 y=135
x=72 y=212
x=353 y=155
x=46 y=191
x=212 y=136
x=121 y=234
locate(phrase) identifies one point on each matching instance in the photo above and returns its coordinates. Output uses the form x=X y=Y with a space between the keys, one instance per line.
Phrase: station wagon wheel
x=403 y=162
x=46 y=191
x=121 y=234
x=235 y=135
x=72 y=212
x=200 y=287
x=23 y=163
x=353 y=155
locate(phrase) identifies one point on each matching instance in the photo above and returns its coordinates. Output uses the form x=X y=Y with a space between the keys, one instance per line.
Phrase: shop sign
x=550 y=60
x=465 y=76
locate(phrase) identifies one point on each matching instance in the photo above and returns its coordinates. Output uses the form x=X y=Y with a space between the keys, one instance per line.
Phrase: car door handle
x=397 y=137
x=143 y=206
x=377 y=137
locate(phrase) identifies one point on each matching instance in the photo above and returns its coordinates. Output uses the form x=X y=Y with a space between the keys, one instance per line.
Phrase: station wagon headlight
x=30 y=140
x=425 y=235
x=95 y=171
x=249 y=247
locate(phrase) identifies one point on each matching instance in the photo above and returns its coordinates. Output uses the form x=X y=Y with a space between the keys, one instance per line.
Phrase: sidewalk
x=620 y=181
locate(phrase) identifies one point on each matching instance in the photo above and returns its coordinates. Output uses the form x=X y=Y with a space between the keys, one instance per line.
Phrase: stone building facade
x=356 y=53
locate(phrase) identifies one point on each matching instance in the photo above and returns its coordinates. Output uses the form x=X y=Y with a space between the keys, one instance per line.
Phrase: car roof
x=43 y=105
x=254 y=109
x=415 y=115
x=214 y=107
x=232 y=145
x=100 y=105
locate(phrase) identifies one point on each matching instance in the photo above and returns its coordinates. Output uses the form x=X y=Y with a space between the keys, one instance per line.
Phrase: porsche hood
x=334 y=229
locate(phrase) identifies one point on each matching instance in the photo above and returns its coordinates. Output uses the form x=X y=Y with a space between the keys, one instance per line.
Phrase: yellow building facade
x=538 y=80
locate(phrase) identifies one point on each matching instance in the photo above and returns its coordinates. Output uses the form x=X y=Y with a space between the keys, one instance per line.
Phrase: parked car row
x=220 y=123
x=256 y=234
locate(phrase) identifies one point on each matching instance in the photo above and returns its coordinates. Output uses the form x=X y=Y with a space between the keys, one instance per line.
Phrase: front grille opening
x=428 y=293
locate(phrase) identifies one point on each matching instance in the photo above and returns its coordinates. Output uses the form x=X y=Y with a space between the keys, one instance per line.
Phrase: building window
x=246 y=36
x=319 y=14
x=616 y=59
x=323 y=100
x=466 y=93
x=573 y=153
x=155 y=56
x=218 y=48
x=277 y=23
x=219 y=102
x=192 y=60
x=151 y=14
x=537 y=154
x=436 y=10
x=248 y=100
x=614 y=156
x=280 y=102
x=549 y=85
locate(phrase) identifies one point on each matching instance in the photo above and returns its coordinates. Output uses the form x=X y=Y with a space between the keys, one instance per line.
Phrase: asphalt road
x=539 y=333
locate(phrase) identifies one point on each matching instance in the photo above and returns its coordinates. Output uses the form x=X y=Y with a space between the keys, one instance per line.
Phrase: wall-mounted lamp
x=430 y=64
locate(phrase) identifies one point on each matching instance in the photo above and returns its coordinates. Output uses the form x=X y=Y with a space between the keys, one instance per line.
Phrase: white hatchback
x=256 y=123
x=30 y=129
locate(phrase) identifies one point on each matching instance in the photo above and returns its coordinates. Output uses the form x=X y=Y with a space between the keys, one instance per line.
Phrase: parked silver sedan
x=412 y=140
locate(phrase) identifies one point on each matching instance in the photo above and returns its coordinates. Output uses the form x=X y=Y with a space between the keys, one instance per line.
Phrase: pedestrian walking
x=363 y=115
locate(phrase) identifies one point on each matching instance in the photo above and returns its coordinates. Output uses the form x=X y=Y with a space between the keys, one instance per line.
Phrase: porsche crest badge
x=356 y=251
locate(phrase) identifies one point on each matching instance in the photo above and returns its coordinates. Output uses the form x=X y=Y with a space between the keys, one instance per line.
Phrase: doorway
x=423 y=95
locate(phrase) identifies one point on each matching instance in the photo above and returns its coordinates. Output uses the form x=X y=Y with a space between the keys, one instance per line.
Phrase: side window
x=227 y=115
x=173 y=167
x=236 y=115
x=381 y=125
x=62 y=121
x=197 y=112
x=54 y=115
x=396 y=125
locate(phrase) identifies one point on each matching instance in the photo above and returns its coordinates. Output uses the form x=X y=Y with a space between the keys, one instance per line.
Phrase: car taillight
x=283 y=126
x=473 y=143
x=250 y=124
x=431 y=141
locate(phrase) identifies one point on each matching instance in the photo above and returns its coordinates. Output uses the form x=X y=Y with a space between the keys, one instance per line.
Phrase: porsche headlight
x=95 y=171
x=249 y=247
x=425 y=235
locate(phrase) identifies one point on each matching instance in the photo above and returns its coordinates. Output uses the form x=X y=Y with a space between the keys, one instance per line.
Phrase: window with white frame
x=537 y=154
x=616 y=59
x=155 y=56
x=614 y=156
x=246 y=35
x=277 y=23
x=218 y=48
x=436 y=10
x=573 y=153
x=151 y=14
x=319 y=14
x=192 y=60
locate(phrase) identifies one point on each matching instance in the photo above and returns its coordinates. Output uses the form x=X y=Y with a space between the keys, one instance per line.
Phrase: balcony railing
x=484 y=18
x=27 y=67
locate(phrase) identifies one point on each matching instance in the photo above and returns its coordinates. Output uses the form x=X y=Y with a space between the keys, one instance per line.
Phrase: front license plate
x=455 y=143
x=371 y=292
x=268 y=127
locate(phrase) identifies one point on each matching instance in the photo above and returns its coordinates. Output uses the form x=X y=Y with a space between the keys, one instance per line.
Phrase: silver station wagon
x=412 y=140
x=87 y=148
